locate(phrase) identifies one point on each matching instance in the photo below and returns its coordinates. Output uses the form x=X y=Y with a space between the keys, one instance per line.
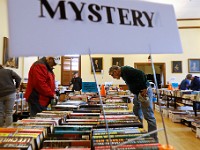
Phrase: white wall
x=28 y=61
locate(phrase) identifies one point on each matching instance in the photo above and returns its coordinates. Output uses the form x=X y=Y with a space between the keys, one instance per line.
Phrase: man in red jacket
x=41 y=85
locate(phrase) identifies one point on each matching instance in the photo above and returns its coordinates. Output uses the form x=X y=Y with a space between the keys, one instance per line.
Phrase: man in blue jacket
x=137 y=83
x=185 y=84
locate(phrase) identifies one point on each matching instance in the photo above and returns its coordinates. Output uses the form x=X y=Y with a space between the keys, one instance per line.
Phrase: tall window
x=69 y=64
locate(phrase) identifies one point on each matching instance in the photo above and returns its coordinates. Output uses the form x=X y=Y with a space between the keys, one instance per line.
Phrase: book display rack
x=84 y=127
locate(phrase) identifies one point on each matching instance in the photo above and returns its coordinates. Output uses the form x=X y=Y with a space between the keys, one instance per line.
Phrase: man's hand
x=143 y=92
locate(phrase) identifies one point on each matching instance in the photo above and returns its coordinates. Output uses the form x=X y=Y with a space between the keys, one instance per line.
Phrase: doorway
x=160 y=70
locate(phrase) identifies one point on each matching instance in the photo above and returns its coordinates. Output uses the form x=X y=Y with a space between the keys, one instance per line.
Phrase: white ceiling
x=183 y=8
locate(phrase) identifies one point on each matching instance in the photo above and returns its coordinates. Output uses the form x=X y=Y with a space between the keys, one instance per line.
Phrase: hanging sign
x=59 y=27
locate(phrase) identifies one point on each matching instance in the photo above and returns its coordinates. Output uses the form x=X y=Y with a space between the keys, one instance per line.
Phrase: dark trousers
x=35 y=107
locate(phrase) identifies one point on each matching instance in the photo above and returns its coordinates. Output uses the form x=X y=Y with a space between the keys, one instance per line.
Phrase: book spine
x=115 y=136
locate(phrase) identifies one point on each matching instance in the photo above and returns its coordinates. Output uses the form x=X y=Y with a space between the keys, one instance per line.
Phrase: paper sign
x=57 y=27
x=89 y=87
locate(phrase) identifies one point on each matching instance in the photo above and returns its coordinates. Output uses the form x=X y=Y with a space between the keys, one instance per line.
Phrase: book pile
x=176 y=115
x=117 y=120
x=20 y=143
x=68 y=105
x=69 y=136
x=101 y=140
x=89 y=109
x=93 y=100
x=21 y=138
x=198 y=132
x=195 y=124
x=188 y=119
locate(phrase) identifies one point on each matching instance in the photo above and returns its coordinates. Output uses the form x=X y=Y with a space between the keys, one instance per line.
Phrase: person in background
x=185 y=84
x=76 y=82
x=140 y=87
x=9 y=84
x=41 y=85
x=195 y=84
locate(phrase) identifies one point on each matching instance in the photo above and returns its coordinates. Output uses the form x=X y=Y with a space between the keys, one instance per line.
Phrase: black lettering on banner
x=137 y=16
x=123 y=15
x=76 y=10
x=126 y=16
x=52 y=13
x=109 y=14
x=149 y=18
x=93 y=8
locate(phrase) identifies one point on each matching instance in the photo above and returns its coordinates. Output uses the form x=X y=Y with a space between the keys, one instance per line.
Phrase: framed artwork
x=119 y=61
x=98 y=64
x=176 y=66
x=7 y=60
x=194 y=65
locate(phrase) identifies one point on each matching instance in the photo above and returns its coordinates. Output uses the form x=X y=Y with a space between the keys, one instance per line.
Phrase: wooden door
x=69 y=64
x=159 y=69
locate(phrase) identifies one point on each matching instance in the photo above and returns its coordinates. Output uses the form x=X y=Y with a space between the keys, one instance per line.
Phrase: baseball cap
x=55 y=59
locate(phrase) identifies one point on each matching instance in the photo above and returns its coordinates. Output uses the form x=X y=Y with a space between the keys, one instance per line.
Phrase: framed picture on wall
x=176 y=66
x=194 y=65
x=7 y=60
x=98 y=64
x=119 y=61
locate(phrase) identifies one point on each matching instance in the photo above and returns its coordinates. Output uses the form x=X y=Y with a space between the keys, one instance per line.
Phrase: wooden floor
x=179 y=136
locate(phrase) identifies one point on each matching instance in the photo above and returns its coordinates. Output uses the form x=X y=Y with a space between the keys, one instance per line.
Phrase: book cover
x=17 y=142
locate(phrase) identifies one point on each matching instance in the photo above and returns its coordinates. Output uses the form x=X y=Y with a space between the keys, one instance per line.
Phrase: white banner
x=57 y=27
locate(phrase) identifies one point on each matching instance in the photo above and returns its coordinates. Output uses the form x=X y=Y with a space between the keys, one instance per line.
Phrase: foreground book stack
x=21 y=138
x=70 y=136
x=101 y=139
x=31 y=131
x=21 y=143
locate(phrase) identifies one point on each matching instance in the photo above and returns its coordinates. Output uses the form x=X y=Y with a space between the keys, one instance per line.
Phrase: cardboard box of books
x=198 y=132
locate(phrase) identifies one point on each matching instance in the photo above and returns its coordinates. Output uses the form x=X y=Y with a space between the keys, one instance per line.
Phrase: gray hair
x=113 y=68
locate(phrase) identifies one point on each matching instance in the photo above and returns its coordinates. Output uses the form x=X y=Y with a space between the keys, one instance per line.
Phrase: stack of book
x=101 y=140
x=188 y=119
x=71 y=136
x=97 y=108
x=20 y=138
x=117 y=120
x=93 y=100
x=84 y=115
x=68 y=105
x=195 y=124
x=17 y=143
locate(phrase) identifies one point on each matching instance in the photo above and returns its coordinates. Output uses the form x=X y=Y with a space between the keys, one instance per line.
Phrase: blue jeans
x=146 y=112
x=6 y=109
